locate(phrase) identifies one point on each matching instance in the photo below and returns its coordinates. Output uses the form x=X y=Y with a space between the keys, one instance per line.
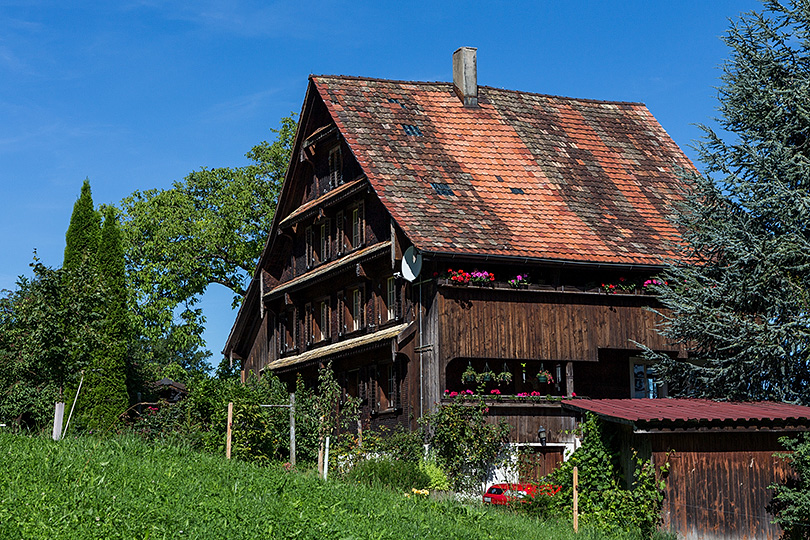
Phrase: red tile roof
x=596 y=176
x=691 y=410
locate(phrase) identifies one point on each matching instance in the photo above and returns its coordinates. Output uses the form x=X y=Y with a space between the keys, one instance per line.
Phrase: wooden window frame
x=358 y=220
x=310 y=255
x=391 y=298
x=335 y=167
x=324 y=319
x=325 y=237
x=357 y=309
x=340 y=234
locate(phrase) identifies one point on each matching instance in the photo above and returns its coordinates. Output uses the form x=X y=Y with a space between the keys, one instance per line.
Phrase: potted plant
x=545 y=377
x=469 y=375
x=504 y=377
x=487 y=375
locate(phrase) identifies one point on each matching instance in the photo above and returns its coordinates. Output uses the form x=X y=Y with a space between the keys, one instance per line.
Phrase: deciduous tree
x=209 y=228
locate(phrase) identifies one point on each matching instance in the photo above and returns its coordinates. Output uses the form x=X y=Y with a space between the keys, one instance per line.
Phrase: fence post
x=228 y=439
x=58 y=415
x=576 y=499
x=292 y=429
x=326 y=460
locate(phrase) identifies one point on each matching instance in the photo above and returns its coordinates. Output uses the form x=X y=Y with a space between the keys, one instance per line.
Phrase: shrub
x=394 y=474
x=790 y=505
x=603 y=502
x=465 y=445
x=438 y=480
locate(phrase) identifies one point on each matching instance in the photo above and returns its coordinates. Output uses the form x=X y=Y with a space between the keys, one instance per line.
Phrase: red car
x=509 y=493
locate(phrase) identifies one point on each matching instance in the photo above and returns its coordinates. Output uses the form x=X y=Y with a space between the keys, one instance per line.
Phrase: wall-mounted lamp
x=541 y=434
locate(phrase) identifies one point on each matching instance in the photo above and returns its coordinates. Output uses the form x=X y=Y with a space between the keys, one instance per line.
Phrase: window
x=310 y=248
x=323 y=320
x=309 y=330
x=340 y=234
x=287 y=331
x=335 y=167
x=385 y=388
x=358 y=226
x=325 y=242
x=341 y=314
x=391 y=297
x=357 y=309
x=644 y=383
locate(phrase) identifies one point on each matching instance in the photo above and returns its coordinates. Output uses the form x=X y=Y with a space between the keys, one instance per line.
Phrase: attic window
x=498 y=178
x=441 y=189
x=412 y=130
x=393 y=100
x=517 y=190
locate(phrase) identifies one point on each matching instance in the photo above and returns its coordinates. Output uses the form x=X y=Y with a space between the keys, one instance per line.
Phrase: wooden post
x=229 y=431
x=576 y=499
x=58 y=415
x=292 y=429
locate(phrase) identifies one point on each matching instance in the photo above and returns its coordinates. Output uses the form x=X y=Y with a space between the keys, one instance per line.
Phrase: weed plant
x=127 y=488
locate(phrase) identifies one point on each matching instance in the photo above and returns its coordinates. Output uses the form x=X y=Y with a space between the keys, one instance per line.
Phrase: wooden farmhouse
x=428 y=230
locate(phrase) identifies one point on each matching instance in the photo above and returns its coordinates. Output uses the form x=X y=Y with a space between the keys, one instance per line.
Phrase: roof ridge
x=486 y=87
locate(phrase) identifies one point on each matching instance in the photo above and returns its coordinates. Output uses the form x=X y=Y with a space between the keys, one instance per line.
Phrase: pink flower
x=453 y=394
x=573 y=394
x=522 y=394
x=536 y=393
x=447 y=391
x=468 y=391
x=495 y=391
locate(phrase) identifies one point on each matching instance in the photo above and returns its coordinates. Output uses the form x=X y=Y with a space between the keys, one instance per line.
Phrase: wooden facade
x=379 y=167
x=718 y=483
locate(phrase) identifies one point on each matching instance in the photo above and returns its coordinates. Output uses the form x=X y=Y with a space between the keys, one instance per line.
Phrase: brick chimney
x=465 y=75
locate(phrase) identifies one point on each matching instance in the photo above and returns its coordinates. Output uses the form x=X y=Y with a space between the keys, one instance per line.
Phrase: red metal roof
x=690 y=410
x=528 y=175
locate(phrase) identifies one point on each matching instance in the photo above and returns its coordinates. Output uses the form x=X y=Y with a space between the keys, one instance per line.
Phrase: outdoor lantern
x=541 y=434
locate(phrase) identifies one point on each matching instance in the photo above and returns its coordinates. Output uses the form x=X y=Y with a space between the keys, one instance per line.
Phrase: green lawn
x=125 y=488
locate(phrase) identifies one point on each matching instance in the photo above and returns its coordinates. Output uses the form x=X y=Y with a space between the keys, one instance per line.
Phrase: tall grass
x=126 y=488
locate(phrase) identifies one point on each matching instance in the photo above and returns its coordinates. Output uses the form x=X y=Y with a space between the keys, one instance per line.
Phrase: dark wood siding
x=717 y=484
x=259 y=351
x=527 y=324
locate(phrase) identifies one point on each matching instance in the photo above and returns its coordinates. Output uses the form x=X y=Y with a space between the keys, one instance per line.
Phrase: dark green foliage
x=49 y=326
x=391 y=473
x=124 y=488
x=84 y=233
x=105 y=397
x=209 y=228
x=465 y=445
x=604 y=502
x=791 y=500
x=741 y=304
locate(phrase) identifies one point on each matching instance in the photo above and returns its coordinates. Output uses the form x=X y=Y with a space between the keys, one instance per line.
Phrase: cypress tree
x=84 y=232
x=106 y=397
x=740 y=304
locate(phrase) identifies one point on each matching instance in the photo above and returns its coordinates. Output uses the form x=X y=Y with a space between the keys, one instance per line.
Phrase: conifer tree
x=84 y=231
x=740 y=298
x=106 y=396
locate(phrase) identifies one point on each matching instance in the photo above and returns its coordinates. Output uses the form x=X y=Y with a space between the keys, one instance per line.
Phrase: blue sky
x=136 y=94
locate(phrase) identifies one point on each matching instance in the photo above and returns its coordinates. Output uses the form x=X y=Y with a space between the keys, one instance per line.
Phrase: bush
x=438 y=480
x=394 y=474
x=465 y=445
x=603 y=502
x=790 y=505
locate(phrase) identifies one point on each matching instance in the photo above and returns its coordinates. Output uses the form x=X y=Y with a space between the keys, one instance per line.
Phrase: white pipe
x=76 y=397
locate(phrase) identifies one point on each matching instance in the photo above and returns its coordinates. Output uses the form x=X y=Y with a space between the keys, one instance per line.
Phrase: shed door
x=538 y=461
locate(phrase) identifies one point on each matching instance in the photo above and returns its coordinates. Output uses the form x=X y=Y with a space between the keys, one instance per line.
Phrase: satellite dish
x=411 y=263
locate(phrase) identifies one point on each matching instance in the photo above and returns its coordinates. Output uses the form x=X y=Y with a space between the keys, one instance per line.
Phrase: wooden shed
x=721 y=457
